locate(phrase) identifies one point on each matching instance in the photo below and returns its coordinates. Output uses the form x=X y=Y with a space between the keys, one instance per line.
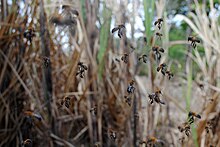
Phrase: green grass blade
x=83 y=8
x=188 y=98
x=194 y=135
x=189 y=88
x=105 y=27
x=149 y=6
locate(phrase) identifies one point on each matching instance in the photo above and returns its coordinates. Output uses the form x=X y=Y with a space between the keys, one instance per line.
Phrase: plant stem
x=188 y=98
x=104 y=39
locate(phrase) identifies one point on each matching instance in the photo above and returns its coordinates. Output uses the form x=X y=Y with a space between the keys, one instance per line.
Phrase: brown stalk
x=47 y=76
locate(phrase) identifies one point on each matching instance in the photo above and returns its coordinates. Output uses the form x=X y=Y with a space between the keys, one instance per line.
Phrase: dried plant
x=50 y=105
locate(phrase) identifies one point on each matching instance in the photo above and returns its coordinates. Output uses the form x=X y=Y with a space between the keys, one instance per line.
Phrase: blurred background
x=44 y=97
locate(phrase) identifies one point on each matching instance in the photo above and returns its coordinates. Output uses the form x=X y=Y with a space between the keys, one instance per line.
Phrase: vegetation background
x=26 y=84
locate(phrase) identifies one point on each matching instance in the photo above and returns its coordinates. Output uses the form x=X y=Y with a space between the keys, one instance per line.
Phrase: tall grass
x=189 y=87
x=82 y=2
x=188 y=100
x=206 y=28
x=148 y=15
x=22 y=87
x=104 y=35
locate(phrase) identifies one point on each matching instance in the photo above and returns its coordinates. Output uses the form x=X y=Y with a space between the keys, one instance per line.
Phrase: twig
x=17 y=75
x=80 y=133
x=61 y=140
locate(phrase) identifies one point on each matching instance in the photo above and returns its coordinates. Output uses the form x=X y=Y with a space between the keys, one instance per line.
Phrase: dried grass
x=26 y=84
